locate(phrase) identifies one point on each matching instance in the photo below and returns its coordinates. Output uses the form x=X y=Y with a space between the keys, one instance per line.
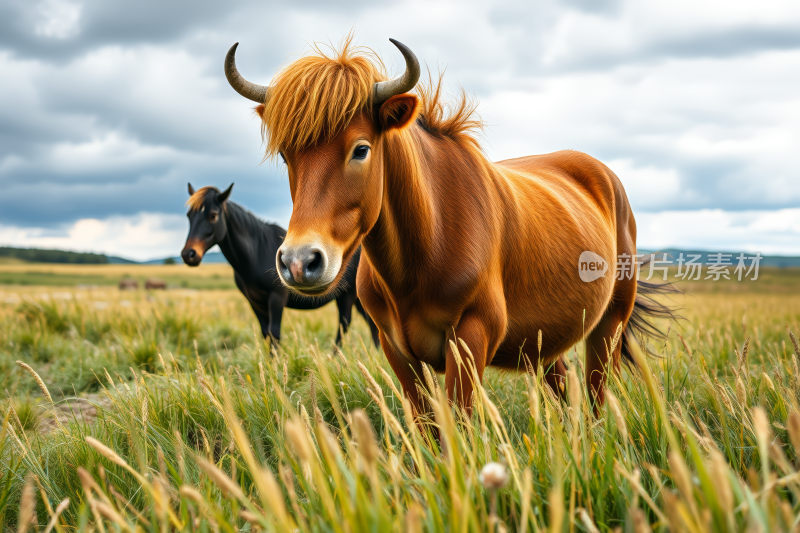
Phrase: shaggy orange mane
x=456 y=119
x=315 y=98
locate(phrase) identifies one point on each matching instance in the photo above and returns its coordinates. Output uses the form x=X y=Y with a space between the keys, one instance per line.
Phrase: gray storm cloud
x=108 y=108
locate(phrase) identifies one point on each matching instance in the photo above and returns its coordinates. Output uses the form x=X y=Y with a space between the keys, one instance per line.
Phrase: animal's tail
x=646 y=306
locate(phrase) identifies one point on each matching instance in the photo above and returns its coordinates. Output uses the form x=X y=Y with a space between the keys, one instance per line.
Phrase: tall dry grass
x=311 y=438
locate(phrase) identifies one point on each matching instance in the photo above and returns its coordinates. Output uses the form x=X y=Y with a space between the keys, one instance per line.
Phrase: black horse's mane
x=245 y=219
x=237 y=214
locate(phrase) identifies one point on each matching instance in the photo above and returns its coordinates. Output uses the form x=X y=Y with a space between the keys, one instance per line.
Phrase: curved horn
x=251 y=91
x=383 y=90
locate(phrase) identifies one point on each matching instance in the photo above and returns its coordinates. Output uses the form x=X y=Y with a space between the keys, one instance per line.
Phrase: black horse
x=250 y=246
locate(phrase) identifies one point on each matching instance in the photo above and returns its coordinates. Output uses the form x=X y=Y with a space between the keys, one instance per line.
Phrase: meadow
x=212 y=276
x=165 y=410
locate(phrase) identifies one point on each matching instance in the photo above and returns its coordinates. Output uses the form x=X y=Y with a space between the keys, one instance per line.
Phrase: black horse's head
x=206 y=222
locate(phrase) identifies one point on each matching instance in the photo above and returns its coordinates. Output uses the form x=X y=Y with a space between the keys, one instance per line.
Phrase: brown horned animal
x=454 y=246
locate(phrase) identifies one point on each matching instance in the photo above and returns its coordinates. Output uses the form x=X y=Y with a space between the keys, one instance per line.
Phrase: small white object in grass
x=493 y=476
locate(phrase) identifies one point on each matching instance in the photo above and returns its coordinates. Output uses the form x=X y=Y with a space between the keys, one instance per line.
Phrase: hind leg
x=602 y=354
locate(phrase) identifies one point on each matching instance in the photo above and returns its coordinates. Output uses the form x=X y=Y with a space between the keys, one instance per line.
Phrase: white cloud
x=141 y=237
x=769 y=232
x=647 y=187
x=719 y=138
x=58 y=19
x=107 y=153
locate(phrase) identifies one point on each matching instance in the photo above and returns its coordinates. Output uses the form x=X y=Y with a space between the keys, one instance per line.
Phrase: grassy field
x=211 y=276
x=197 y=424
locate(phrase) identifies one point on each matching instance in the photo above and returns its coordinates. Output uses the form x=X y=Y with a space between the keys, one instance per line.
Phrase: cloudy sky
x=108 y=108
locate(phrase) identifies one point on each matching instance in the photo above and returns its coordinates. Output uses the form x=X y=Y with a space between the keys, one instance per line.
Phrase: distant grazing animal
x=128 y=284
x=453 y=244
x=155 y=284
x=250 y=245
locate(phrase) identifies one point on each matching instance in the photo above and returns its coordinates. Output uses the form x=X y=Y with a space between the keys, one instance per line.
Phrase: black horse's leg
x=277 y=301
x=345 y=305
x=263 y=319
x=262 y=315
x=373 y=328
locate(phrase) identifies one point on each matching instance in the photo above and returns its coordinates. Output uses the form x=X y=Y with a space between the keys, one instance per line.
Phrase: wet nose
x=301 y=265
x=189 y=256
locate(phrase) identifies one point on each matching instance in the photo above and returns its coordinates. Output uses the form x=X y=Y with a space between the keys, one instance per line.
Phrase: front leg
x=409 y=373
x=555 y=375
x=460 y=376
x=277 y=301
x=373 y=328
x=344 y=304
x=407 y=369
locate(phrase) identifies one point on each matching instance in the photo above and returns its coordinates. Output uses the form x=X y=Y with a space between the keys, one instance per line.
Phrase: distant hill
x=211 y=257
x=37 y=255
x=673 y=254
x=114 y=260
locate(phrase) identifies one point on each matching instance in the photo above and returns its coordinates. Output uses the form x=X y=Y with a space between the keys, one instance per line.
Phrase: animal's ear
x=221 y=197
x=259 y=110
x=191 y=190
x=398 y=111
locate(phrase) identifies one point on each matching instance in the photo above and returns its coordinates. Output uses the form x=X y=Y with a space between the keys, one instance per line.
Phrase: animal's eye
x=283 y=158
x=361 y=152
x=213 y=217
